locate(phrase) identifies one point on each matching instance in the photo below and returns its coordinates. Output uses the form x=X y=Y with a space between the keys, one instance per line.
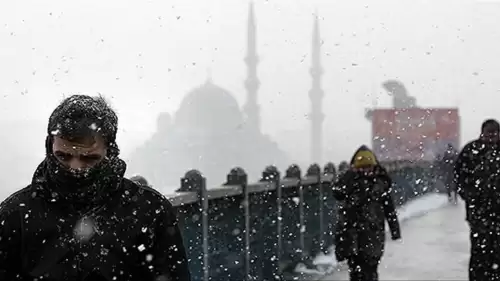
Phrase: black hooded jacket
x=365 y=203
x=125 y=232
x=477 y=176
x=446 y=165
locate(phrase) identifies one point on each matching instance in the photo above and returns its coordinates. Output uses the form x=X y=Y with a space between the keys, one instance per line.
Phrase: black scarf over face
x=489 y=145
x=80 y=188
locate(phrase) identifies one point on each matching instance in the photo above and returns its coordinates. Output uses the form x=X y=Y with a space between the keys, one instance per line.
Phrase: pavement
x=435 y=246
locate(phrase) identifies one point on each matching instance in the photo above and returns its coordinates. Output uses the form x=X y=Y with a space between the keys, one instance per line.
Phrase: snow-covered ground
x=420 y=209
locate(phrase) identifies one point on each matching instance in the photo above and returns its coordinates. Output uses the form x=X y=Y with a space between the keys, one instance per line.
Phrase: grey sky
x=145 y=55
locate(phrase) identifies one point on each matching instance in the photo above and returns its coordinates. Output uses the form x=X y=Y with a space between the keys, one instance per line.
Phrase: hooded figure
x=447 y=165
x=80 y=219
x=365 y=203
x=477 y=176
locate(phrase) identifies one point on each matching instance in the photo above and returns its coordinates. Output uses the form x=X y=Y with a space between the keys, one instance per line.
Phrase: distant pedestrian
x=365 y=203
x=447 y=164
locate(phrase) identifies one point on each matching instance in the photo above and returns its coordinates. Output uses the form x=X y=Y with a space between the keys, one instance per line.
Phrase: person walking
x=477 y=177
x=365 y=203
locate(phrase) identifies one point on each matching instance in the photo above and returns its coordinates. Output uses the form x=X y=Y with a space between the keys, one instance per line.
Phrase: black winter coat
x=131 y=234
x=477 y=177
x=365 y=203
x=447 y=165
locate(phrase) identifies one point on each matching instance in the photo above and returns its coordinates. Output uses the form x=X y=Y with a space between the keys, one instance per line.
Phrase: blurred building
x=211 y=133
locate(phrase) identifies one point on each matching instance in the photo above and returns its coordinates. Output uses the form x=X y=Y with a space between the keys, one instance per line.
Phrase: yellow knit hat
x=364 y=158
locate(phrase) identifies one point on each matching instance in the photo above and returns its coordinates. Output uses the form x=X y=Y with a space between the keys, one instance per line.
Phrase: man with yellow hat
x=363 y=194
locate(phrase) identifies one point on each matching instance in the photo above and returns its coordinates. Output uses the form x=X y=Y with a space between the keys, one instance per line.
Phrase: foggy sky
x=146 y=55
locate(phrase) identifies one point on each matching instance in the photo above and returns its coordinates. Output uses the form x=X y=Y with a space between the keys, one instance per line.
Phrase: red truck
x=414 y=134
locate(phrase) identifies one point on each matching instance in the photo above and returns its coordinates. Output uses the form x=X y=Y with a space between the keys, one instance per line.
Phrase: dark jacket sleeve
x=10 y=243
x=170 y=255
x=389 y=208
x=341 y=187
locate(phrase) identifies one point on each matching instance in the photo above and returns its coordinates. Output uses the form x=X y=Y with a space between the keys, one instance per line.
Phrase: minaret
x=316 y=95
x=252 y=83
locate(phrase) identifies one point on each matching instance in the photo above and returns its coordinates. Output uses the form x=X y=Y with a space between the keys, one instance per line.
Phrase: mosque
x=211 y=133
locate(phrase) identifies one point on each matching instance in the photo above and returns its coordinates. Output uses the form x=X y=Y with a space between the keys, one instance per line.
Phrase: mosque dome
x=209 y=108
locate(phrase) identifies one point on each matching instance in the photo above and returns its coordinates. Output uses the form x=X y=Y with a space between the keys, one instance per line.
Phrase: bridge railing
x=261 y=231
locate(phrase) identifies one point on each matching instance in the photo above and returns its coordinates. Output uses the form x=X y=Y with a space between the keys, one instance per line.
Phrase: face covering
x=83 y=186
x=70 y=180
x=489 y=144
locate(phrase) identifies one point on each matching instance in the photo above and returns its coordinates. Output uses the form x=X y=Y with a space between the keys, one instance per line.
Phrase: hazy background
x=146 y=55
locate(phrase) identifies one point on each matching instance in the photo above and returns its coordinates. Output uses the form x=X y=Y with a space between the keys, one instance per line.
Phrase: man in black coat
x=365 y=203
x=477 y=176
x=80 y=219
